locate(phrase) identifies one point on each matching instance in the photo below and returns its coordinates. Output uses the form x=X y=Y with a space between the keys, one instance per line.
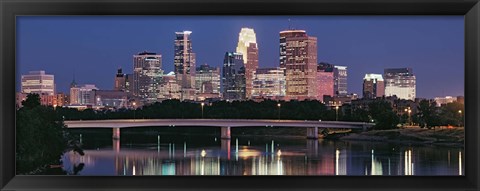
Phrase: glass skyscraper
x=233 y=76
x=184 y=63
x=340 y=80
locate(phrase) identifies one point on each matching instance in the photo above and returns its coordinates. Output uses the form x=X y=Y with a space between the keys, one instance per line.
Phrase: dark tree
x=41 y=138
x=33 y=100
x=383 y=115
x=427 y=114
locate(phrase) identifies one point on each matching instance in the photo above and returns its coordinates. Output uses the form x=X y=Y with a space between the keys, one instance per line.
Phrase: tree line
x=379 y=112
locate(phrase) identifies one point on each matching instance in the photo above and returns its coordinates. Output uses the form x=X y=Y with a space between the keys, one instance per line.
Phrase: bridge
x=224 y=124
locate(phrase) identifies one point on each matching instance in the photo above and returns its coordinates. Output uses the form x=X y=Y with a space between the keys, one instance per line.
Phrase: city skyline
x=445 y=53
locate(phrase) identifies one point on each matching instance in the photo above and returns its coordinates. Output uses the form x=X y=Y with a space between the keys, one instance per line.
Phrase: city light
x=336 y=113
x=279 y=105
x=202 y=104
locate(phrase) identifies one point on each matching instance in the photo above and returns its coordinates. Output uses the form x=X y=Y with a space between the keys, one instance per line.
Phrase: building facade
x=83 y=95
x=169 y=88
x=122 y=81
x=233 y=77
x=340 y=80
x=112 y=99
x=444 y=100
x=373 y=86
x=147 y=74
x=400 y=82
x=207 y=80
x=298 y=57
x=38 y=82
x=269 y=83
x=325 y=80
x=184 y=64
x=247 y=45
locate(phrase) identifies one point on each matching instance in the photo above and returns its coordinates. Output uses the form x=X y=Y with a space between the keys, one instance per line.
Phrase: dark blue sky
x=93 y=47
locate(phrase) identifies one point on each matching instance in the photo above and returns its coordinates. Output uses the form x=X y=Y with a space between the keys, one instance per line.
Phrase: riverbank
x=450 y=137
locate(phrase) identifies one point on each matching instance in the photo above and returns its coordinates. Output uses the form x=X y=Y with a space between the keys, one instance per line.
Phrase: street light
x=202 y=104
x=461 y=117
x=279 y=105
x=409 y=115
x=336 y=113
x=134 y=109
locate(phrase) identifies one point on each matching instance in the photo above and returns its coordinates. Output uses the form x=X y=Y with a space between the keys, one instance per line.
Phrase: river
x=186 y=155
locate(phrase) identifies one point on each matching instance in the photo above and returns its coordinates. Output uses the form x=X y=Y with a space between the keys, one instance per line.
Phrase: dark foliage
x=41 y=137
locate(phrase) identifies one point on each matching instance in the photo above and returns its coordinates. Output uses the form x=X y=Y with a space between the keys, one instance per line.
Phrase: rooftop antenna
x=289 y=24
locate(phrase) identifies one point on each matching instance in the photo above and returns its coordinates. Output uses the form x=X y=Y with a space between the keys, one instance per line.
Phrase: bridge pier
x=225 y=147
x=116 y=133
x=225 y=133
x=312 y=133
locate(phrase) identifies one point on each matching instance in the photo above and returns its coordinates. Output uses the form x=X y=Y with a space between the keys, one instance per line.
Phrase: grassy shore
x=451 y=137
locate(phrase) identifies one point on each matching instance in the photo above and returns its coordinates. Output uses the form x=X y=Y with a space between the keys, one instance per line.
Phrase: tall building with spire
x=247 y=45
x=298 y=58
x=184 y=64
x=147 y=74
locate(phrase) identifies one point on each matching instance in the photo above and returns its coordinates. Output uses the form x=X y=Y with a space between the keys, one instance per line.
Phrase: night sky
x=93 y=47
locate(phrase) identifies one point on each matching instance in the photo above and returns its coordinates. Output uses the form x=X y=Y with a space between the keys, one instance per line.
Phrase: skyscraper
x=147 y=74
x=340 y=80
x=373 y=86
x=233 y=76
x=325 y=80
x=184 y=62
x=400 y=82
x=247 y=45
x=38 y=82
x=298 y=57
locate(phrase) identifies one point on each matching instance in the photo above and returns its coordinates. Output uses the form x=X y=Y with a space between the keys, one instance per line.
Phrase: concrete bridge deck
x=225 y=124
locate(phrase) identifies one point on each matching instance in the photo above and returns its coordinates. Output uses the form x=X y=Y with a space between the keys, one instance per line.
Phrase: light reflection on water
x=312 y=157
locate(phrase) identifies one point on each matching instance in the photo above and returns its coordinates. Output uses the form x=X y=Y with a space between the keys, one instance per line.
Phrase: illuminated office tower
x=38 y=82
x=400 y=82
x=147 y=74
x=233 y=77
x=340 y=80
x=247 y=45
x=269 y=83
x=373 y=86
x=184 y=62
x=324 y=80
x=207 y=79
x=298 y=57
x=83 y=95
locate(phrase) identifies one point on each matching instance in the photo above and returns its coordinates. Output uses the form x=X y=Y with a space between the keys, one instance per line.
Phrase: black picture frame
x=9 y=9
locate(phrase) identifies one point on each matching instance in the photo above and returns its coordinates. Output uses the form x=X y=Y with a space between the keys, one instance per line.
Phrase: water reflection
x=275 y=157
